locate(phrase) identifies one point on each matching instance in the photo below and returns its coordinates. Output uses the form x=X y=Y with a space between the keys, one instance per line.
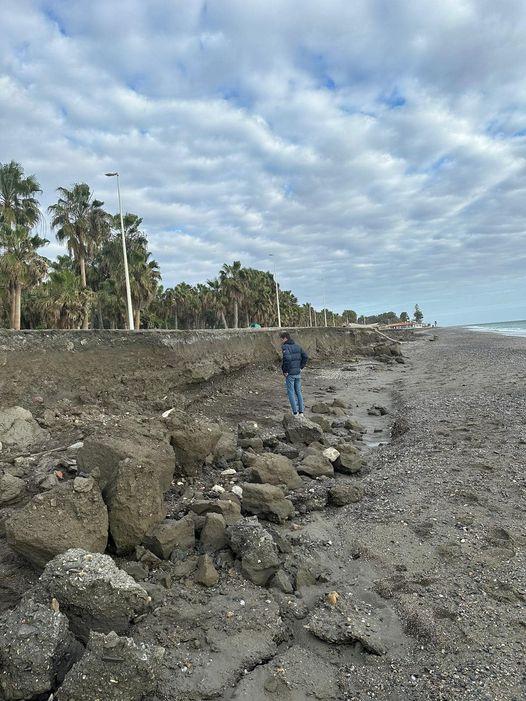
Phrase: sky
x=375 y=147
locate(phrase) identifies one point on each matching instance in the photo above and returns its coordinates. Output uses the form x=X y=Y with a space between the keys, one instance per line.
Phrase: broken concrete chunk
x=113 y=668
x=93 y=592
x=192 y=440
x=171 y=535
x=36 y=650
x=57 y=520
x=267 y=501
x=299 y=429
x=256 y=549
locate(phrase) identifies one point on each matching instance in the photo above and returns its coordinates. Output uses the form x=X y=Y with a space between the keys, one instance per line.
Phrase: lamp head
x=110 y=175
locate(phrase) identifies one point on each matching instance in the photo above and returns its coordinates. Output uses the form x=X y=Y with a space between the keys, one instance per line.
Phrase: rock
x=377 y=411
x=248 y=458
x=349 y=461
x=93 y=592
x=225 y=447
x=228 y=508
x=254 y=545
x=323 y=422
x=354 y=425
x=285 y=449
x=331 y=454
x=11 y=488
x=313 y=497
x=171 y=535
x=342 y=494
x=299 y=429
x=275 y=469
x=58 y=520
x=36 y=650
x=19 y=430
x=136 y=570
x=344 y=623
x=192 y=440
x=213 y=535
x=266 y=500
x=339 y=403
x=321 y=408
x=255 y=443
x=83 y=484
x=316 y=466
x=101 y=455
x=247 y=429
x=113 y=668
x=281 y=581
x=206 y=574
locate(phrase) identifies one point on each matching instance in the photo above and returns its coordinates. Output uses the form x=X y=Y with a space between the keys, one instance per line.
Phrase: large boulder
x=350 y=459
x=267 y=501
x=36 y=650
x=275 y=469
x=19 y=430
x=171 y=535
x=71 y=515
x=316 y=466
x=135 y=500
x=11 y=489
x=256 y=549
x=93 y=592
x=101 y=455
x=113 y=668
x=133 y=475
x=299 y=429
x=193 y=440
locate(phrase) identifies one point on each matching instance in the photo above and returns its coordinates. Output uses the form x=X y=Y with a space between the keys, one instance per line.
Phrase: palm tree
x=218 y=300
x=20 y=265
x=18 y=203
x=233 y=283
x=82 y=224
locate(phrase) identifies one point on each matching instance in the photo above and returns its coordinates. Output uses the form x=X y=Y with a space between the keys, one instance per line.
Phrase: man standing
x=294 y=360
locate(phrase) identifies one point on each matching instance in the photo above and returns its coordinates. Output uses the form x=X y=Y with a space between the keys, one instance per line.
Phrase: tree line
x=85 y=288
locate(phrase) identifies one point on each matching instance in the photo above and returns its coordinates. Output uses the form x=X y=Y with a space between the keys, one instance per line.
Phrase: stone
x=57 y=520
x=237 y=491
x=193 y=440
x=225 y=448
x=286 y=449
x=343 y=494
x=11 y=489
x=247 y=429
x=228 y=508
x=331 y=454
x=100 y=456
x=275 y=469
x=349 y=461
x=213 y=535
x=206 y=573
x=136 y=570
x=337 y=411
x=113 y=668
x=316 y=466
x=93 y=592
x=339 y=403
x=267 y=501
x=256 y=549
x=36 y=650
x=171 y=535
x=299 y=429
x=377 y=411
x=321 y=408
x=19 y=430
x=255 y=443
x=323 y=422
x=248 y=458
x=281 y=581
x=354 y=425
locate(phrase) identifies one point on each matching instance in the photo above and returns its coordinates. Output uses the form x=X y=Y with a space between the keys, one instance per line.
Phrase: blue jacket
x=294 y=358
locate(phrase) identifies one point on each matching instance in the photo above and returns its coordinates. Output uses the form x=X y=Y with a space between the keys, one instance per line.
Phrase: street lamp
x=125 y=256
x=324 y=306
x=271 y=255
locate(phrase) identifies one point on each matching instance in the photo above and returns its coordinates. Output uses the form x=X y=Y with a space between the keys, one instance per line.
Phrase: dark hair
x=285 y=334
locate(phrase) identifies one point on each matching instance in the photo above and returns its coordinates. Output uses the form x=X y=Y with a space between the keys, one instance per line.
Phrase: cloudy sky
x=375 y=147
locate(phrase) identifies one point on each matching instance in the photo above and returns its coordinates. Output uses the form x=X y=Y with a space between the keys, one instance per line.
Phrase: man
x=294 y=360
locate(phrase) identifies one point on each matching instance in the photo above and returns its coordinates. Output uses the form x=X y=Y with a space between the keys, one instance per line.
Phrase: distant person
x=294 y=360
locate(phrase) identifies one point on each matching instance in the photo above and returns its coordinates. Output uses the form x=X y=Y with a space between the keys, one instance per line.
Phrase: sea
x=506 y=328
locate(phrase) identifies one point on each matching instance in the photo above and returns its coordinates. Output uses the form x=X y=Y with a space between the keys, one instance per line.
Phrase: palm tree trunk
x=223 y=319
x=18 y=299
x=236 y=313
x=176 y=320
x=12 y=299
x=137 y=319
x=82 y=265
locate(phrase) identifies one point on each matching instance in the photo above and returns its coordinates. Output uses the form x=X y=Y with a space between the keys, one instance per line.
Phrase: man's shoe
x=301 y=414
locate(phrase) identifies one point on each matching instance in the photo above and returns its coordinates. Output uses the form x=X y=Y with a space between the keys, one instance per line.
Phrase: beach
x=411 y=591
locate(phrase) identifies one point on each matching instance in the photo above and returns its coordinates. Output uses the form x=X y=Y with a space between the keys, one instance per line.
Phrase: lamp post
x=125 y=257
x=271 y=255
x=324 y=306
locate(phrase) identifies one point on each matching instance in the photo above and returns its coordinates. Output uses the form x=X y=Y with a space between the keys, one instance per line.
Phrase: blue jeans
x=293 y=385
